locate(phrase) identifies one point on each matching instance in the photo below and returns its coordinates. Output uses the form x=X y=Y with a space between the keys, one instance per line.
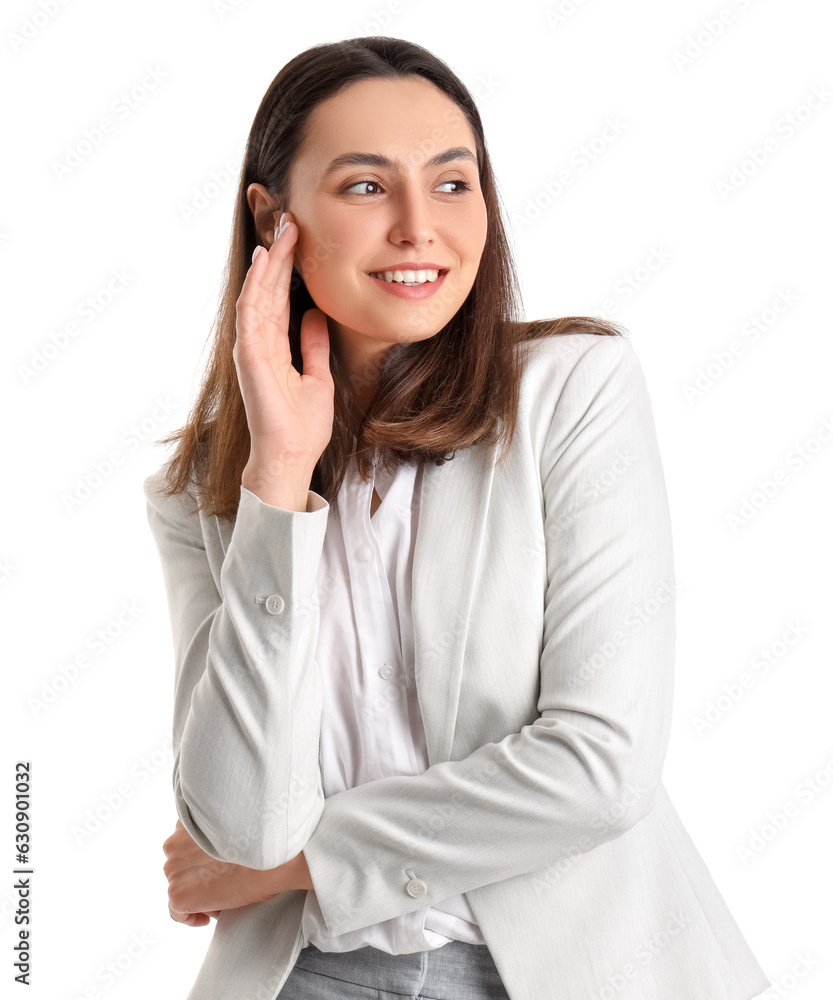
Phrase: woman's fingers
x=192 y=919
x=289 y=414
x=315 y=345
x=181 y=916
x=265 y=292
x=277 y=275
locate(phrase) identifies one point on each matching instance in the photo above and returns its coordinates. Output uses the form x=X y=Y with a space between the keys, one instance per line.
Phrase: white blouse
x=371 y=724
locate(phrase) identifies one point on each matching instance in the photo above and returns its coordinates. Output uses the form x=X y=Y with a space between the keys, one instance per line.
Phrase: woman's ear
x=264 y=212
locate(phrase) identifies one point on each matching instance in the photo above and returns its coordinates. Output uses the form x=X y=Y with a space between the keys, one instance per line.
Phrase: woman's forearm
x=304 y=877
x=198 y=883
x=294 y=874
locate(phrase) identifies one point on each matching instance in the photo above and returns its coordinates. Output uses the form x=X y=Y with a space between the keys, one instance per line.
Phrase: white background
x=545 y=86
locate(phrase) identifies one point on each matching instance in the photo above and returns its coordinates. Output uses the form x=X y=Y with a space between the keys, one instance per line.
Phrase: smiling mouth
x=441 y=272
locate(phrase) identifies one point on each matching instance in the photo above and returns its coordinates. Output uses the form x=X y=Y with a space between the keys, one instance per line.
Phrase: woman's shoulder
x=549 y=362
x=563 y=351
x=157 y=489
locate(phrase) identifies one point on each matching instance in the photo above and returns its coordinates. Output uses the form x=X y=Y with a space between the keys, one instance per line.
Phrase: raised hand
x=290 y=416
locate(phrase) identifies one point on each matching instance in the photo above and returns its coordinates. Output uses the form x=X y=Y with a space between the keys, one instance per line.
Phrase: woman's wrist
x=293 y=874
x=304 y=879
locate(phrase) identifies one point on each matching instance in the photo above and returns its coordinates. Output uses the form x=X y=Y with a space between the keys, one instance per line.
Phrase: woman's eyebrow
x=378 y=160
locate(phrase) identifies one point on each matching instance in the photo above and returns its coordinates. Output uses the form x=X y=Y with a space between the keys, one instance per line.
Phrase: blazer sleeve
x=247 y=696
x=587 y=769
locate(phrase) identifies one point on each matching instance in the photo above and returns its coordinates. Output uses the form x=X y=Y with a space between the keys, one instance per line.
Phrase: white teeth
x=406 y=277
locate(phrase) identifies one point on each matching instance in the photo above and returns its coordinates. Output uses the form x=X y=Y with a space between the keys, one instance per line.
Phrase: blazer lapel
x=454 y=502
x=224 y=530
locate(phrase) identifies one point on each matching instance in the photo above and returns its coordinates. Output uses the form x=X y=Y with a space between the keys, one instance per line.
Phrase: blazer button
x=416 y=887
x=274 y=604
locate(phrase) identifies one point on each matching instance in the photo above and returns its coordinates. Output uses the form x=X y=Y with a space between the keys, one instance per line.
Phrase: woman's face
x=355 y=218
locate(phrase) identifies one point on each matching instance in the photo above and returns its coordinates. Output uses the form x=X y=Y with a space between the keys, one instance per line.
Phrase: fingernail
x=258 y=248
x=283 y=222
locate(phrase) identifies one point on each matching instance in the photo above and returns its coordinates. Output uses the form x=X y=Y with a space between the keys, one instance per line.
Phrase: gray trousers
x=456 y=971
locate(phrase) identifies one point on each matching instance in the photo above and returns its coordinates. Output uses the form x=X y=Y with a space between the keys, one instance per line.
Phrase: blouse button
x=364 y=553
x=274 y=604
x=386 y=671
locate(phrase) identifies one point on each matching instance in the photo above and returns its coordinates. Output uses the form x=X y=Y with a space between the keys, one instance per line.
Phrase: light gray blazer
x=544 y=628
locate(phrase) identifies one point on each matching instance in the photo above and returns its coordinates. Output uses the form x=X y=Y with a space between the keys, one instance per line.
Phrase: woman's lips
x=423 y=291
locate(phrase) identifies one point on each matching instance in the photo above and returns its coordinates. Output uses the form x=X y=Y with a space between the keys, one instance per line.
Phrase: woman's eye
x=349 y=189
x=462 y=187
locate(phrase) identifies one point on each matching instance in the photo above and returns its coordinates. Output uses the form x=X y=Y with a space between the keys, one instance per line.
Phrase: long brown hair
x=455 y=389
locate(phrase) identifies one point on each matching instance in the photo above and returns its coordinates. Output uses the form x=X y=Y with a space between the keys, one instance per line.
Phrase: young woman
x=418 y=562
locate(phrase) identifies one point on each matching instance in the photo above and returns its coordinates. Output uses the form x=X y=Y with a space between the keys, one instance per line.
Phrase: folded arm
x=586 y=769
x=248 y=698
